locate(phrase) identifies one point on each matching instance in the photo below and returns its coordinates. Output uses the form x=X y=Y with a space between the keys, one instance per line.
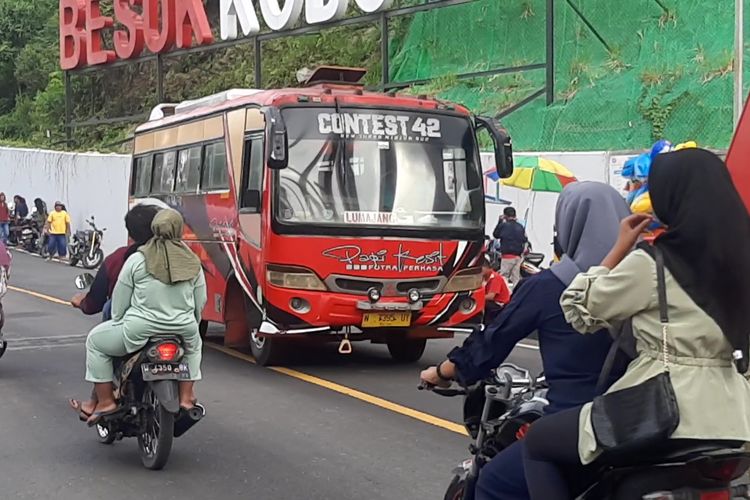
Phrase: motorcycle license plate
x=165 y=371
x=386 y=319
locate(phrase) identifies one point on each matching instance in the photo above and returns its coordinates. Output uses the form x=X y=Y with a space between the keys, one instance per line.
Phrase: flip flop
x=98 y=415
x=195 y=402
x=77 y=407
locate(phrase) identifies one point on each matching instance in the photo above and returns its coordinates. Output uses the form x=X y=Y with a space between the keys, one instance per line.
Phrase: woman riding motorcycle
x=161 y=290
x=586 y=219
x=707 y=295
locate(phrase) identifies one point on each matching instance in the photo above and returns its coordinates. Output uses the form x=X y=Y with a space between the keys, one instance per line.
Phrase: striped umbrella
x=538 y=174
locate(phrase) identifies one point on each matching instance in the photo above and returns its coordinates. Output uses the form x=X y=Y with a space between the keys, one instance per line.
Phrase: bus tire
x=266 y=351
x=406 y=350
x=203 y=329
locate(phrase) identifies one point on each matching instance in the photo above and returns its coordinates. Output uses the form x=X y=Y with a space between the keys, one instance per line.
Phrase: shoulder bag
x=644 y=415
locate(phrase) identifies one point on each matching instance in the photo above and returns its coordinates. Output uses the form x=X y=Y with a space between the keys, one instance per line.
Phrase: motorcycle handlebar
x=441 y=391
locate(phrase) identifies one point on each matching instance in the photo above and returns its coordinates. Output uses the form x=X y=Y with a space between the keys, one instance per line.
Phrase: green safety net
x=669 y=74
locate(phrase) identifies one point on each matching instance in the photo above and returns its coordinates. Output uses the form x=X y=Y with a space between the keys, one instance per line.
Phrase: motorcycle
x=5 y=263
x=31 y=239
x=85 y=246
x=530 y=265
x=499 y=411
x=147 y=393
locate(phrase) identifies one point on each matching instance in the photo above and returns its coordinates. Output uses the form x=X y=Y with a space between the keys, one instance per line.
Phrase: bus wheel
x=406 y=350
x=266 y=351
x=203 y=329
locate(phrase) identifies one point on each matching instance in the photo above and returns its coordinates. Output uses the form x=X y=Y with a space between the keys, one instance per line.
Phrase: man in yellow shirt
x=58 y=227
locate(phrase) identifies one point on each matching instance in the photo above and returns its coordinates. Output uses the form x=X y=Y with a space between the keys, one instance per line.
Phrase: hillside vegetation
x=667 y=71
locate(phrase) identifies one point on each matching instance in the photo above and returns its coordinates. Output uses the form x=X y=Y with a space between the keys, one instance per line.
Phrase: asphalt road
x=326 y=427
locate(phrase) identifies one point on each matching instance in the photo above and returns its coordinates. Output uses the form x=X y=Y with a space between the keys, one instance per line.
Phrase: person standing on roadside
x=20 y=208
x=512 y=236
x=4 y=219
x=58 y=227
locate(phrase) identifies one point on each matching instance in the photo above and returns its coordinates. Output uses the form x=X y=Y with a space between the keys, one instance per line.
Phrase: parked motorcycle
x=85 y=246
x=498 y=412
x=146 y=390
x=30 y=236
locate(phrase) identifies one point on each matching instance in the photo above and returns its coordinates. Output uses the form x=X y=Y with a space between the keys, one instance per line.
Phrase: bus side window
x=215 y=174
x=189 y=170
x=164 y=170
x=252 y=174
x=141 y=183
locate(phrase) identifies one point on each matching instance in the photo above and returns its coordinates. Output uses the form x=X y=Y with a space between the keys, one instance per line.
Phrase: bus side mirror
x=277 y=141
x=502 y=143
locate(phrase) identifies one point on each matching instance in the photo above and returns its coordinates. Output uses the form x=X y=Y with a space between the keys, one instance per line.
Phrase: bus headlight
x=298 y=278
x=466 y=280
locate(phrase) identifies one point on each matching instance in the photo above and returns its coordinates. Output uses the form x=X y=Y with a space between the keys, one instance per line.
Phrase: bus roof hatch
x=336 y=74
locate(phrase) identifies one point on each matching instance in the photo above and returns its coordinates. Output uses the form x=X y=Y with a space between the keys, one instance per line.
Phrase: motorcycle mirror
x=84 y=281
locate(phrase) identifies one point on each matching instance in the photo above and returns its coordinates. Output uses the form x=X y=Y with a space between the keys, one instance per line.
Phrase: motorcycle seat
x=674 y=450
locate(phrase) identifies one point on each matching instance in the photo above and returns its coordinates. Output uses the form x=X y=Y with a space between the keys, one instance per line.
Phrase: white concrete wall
x=87 y=183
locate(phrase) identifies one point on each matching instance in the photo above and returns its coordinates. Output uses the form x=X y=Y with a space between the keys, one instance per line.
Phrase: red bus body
x=271 y=280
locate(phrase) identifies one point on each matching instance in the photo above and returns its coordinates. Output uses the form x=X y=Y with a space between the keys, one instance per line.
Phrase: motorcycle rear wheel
x=155 y=442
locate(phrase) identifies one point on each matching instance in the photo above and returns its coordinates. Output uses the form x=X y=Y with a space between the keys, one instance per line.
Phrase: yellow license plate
x=384 y=319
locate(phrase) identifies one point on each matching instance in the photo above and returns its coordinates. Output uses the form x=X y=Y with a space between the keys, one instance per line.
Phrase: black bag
x=644 y=415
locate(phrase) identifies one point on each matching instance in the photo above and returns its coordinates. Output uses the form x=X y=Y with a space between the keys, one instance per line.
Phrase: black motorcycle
x=4 y=277
x=85 y=246
x=498 y=412
x=147 y=393
x=30 y=237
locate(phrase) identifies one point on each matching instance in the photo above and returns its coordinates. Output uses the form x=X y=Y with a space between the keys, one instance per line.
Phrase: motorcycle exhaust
x=188 y=418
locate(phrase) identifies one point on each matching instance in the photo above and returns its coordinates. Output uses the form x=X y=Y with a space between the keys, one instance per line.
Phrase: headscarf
x=587 y=222
x=168 y=259
x=707 y=240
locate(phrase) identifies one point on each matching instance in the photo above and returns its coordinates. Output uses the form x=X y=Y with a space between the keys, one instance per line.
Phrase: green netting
x=669 y=74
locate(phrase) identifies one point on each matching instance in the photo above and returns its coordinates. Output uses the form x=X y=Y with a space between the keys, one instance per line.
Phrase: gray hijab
x=587 y=222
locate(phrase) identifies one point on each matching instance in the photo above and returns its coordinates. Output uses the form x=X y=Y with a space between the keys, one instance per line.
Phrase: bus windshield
x=368 y=167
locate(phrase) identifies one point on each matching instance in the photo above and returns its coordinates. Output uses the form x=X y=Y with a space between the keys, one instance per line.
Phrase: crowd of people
x=56 y=224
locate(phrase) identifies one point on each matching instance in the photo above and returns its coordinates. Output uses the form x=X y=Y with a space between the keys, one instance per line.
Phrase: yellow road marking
x=310 y=379
x=348 y=391
x=39 y=295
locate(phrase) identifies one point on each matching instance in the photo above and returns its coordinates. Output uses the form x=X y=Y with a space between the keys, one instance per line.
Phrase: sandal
x=97 y=416
x=77 y=406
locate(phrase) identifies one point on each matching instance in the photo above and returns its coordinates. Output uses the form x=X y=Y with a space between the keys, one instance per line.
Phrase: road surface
x=326 y=427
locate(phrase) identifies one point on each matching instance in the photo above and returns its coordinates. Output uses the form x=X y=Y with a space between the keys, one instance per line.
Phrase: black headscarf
x=707 y=241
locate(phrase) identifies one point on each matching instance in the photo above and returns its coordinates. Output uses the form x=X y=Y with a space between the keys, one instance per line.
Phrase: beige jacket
x=713 y=398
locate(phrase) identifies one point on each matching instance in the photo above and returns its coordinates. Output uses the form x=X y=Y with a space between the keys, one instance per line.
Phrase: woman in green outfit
x=161 y=290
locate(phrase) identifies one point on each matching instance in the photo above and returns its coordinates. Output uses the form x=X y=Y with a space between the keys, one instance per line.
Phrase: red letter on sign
x=191 y=18
x=72 y=44
x=158 y=40
x=95 y=23
x=129 y=42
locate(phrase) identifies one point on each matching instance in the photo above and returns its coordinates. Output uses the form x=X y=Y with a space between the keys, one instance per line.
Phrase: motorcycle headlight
x=298 y=278
x=466 y=280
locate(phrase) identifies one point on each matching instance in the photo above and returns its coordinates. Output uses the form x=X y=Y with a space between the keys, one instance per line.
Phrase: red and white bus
x=326 y=211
